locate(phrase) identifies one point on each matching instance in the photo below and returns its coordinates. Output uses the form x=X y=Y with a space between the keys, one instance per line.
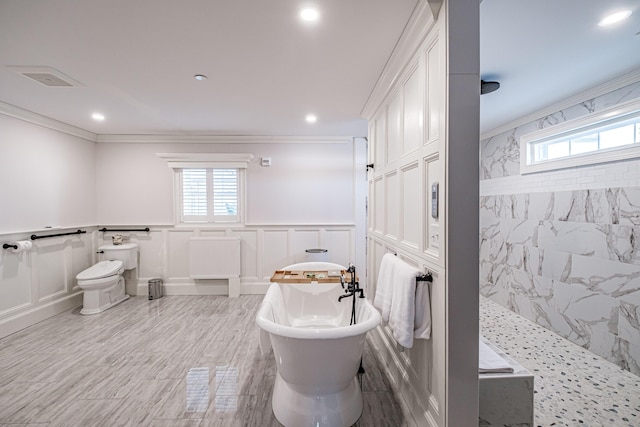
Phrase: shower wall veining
x=562 y=248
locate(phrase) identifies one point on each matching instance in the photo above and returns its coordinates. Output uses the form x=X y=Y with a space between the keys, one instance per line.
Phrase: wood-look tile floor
x=175 y=361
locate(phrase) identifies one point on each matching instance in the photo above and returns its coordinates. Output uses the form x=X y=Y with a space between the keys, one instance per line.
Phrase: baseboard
x=37 y=314
x=203 y=287
x=397 y=375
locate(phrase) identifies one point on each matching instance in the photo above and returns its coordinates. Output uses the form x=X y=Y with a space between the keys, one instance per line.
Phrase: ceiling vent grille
x=47 y=76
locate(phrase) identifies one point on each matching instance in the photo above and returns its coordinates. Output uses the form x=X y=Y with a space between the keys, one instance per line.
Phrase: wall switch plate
x=265 y=161
x=434 y=199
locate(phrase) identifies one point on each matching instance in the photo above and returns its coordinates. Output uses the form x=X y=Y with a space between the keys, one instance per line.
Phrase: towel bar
x=425 y=278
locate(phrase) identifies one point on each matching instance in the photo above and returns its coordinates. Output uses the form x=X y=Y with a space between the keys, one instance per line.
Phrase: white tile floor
x=130 y=366
x=175 y=361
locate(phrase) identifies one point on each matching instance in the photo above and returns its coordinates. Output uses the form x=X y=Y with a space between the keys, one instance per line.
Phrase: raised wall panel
x=248 y=253
x=51 y=268
x=379 y=151
x=392 y=205
x=411 y=205
x=150 y=254
x=178 y=258
x=275 y=251
x=433 y=235
x=394 y=128
x=340 y=246
x=434 y=104
x=413 y=113
x=378 y=208
x=15 y=291
x=302 y=240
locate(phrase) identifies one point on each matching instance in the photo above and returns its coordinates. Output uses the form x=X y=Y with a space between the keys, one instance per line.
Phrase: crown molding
x=594 y=92
x=415 y=32
x=221 y=139
x=49 y=123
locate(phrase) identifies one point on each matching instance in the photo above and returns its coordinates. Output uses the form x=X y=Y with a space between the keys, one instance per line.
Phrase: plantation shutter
x=225 y=194
x=194 y=195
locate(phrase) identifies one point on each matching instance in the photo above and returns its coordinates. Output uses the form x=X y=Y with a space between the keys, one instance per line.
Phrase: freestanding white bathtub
x=317 y=352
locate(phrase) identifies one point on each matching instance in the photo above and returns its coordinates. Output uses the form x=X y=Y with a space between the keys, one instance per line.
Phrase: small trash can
x=316 y=255
x=155 y=288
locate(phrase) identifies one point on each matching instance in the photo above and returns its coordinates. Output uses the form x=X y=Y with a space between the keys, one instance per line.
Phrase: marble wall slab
x=567 y=259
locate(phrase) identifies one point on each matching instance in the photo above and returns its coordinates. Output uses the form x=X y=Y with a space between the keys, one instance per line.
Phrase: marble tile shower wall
x=563 y=248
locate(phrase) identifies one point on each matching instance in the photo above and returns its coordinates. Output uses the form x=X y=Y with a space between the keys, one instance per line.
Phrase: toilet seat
x=101 y=270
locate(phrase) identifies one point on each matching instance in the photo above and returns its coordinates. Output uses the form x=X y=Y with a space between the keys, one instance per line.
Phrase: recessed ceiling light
x=311 y=118
x=309 y=14
x=614 y=17
x=98 y=117
x=200 y=77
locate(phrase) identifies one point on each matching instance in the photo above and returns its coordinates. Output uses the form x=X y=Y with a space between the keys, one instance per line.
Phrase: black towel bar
x=104 y=230
x=34 y=237
x=425 y=278
x=7 y=246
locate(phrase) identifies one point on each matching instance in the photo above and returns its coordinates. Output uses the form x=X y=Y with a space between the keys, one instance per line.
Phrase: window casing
x=209 y=188
x=608 y=135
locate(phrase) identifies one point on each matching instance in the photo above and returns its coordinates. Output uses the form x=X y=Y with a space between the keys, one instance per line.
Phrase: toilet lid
x=100 y=270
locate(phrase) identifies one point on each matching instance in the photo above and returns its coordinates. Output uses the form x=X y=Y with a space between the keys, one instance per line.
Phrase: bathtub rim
x=263 y=321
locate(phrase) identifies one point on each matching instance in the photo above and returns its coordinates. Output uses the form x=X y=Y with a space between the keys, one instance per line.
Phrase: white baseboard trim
x=39 y=313
x=212 y=287
x=186 y=289
x=399 y=380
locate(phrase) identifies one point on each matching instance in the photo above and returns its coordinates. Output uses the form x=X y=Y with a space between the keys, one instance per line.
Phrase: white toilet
x=103 y=284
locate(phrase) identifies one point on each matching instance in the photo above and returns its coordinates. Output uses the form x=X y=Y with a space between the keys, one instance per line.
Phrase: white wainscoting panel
x=413 y=112
x=378 y=144
x=15 y=291
x=249 y=254
x=51 y=268
x=394 y=127
x=412 y=196
x=378 y=208
x=177 y=265
x=273 y=254
x=392 y=205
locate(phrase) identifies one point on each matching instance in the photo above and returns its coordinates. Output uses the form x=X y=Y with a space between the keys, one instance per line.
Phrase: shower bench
x=506 y=399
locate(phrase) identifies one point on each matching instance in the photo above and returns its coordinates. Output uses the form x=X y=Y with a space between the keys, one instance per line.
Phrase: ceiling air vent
x=47 y=76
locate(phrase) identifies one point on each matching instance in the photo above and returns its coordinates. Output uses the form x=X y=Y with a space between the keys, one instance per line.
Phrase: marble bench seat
x=506 y=399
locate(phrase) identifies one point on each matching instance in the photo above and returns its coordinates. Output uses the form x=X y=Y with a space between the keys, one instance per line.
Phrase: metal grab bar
x=7 y=246
x=34 y=237
x=104 y=230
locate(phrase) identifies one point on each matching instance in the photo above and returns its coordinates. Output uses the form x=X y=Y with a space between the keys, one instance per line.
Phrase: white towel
x=384 y=286
x=490 y=362
x=403 y=303
x=423 y=312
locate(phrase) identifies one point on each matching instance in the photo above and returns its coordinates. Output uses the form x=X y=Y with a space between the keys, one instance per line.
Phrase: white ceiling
x=542 y=51
x=135 y=60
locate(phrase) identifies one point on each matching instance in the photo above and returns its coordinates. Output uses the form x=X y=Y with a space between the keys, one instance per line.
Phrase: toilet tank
x=127 y=253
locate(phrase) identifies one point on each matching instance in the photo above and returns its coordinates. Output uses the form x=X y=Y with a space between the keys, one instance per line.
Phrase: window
x=609 y=135
x=209 y=188
x=210 y=195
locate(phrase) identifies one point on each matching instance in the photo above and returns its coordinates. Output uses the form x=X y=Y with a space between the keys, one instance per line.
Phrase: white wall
x=308 y=183
x=47 y=177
